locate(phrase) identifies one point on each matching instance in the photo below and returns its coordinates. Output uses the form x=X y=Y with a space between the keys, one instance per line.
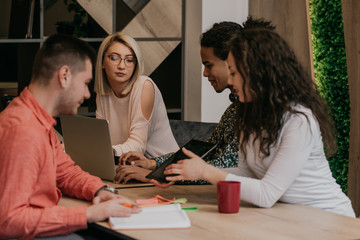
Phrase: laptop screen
x=87 y=141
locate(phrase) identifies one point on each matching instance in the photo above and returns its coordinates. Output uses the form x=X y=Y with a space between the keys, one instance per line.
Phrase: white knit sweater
x=296 y=171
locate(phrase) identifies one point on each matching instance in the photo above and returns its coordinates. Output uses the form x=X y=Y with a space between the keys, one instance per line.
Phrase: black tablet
x=198 y=147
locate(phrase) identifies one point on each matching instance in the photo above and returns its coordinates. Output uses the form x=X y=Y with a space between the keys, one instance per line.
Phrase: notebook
x=87 y=141
x=158 y=217
x=198 y=147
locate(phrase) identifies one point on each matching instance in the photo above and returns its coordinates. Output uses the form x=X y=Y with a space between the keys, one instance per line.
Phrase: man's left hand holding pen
x=107 y=204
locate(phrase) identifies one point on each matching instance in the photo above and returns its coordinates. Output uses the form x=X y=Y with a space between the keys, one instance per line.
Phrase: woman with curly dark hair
x=283 y=126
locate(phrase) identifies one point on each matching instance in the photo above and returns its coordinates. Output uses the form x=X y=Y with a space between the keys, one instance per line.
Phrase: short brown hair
x=59 y=50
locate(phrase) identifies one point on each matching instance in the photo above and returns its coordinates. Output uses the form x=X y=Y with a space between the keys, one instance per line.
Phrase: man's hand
x=110 y=208
x=103 y=196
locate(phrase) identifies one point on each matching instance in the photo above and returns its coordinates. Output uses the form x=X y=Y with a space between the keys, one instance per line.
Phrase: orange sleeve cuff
x=77 y=218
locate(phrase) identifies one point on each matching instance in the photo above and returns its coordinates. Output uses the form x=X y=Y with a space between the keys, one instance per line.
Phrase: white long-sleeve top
x=130 y=130
x=296 y=171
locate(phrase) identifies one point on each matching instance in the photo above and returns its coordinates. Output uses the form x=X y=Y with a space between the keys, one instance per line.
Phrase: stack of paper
x=158 y=217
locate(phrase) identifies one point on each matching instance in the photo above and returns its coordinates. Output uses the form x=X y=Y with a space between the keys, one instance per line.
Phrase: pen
x=129 y=205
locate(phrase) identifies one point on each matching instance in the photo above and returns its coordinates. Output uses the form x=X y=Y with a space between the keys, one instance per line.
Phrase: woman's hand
x=162 y=185
x=124 y=173
x=193 y=169
x=137 y=159
x=187 y=169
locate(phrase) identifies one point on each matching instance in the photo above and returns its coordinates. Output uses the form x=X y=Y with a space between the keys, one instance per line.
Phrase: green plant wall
x=331 y=76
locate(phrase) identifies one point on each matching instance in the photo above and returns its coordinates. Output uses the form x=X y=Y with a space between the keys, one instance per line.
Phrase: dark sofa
x=184 y=131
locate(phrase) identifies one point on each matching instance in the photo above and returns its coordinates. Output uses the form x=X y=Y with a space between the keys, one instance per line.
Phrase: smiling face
x=236 y=80
x=215 y=69
x=119 y=64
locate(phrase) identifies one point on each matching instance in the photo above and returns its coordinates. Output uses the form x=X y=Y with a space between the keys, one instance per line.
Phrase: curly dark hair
x=220 y=33
x=257 y=23
x=276 y=81
x=217 y=36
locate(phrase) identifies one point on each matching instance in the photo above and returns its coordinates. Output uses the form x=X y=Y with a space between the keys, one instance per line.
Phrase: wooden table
x=282 y=221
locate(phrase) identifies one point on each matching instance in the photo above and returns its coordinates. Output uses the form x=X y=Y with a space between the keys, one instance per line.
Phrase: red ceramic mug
x=228 y=193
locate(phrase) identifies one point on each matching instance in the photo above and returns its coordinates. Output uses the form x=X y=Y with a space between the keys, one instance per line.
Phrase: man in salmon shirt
x=34 y=169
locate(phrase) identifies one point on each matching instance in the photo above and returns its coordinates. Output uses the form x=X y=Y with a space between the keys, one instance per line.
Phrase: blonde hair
x=101 y=85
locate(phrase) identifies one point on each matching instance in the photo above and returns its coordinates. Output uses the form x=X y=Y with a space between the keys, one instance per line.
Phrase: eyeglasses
x=116 y=60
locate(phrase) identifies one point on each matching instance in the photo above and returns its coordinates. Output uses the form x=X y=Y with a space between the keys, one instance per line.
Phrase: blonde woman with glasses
x=131 y=102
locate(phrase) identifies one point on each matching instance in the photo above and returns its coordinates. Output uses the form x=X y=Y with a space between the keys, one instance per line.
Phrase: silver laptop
x=87 y=141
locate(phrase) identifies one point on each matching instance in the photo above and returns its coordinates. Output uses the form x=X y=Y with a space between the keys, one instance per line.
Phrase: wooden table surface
x=282 y=221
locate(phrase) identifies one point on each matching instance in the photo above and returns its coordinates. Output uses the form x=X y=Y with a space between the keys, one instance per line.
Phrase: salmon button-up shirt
x=34 y=170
